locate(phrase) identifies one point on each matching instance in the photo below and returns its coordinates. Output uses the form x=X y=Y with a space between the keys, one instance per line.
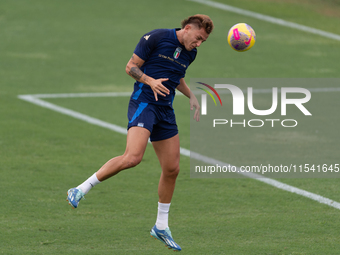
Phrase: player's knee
x=135 y=160
x=132 y=160
x=172 y=171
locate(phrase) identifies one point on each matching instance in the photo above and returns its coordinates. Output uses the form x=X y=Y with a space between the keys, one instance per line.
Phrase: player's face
x=194 y=37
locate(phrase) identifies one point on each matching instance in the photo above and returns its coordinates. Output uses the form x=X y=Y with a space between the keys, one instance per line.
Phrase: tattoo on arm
x=136 y=73
x=133 y=62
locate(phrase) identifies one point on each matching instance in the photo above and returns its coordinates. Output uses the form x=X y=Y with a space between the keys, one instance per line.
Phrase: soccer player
x=158 y=65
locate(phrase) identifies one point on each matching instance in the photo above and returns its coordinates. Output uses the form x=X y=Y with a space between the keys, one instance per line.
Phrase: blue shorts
x=158 y=119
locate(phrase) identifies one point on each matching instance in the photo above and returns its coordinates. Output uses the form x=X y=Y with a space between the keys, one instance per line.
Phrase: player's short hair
x=199 y=20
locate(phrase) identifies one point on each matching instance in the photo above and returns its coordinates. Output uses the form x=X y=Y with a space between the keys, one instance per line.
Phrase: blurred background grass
x=73 y=46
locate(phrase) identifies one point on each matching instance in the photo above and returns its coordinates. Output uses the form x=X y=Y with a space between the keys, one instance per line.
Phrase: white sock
x=89 y=184
x=162 y=216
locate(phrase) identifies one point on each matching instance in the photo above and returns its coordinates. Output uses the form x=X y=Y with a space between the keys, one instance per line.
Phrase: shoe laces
x=80 y=195
x=167 y=230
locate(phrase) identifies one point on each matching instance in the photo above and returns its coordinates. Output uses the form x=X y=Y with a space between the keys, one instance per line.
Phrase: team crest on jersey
x=177 y=52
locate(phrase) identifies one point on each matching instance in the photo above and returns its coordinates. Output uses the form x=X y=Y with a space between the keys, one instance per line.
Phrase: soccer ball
x=241 y=37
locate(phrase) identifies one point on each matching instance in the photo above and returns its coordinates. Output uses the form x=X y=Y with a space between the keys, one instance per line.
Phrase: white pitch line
x=126 y=94
x=100 y=94
x=74 y=114
x=185 y=152
x=269 y=19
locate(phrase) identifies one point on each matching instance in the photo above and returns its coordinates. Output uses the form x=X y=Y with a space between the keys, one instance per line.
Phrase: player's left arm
x=183 y=87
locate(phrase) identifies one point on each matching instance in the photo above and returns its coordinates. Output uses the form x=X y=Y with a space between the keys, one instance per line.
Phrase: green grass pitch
x=83 y=46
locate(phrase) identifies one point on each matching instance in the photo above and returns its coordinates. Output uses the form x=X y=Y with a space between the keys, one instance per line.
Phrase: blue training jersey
x=165 y=57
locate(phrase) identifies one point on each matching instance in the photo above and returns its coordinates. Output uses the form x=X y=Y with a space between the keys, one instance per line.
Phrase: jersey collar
x=177 y=29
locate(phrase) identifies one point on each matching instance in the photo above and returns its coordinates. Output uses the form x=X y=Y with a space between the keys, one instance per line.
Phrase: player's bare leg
x=168 y=153
x=137 y=140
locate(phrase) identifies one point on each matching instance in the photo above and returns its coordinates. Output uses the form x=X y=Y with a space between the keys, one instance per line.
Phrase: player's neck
x=179 y=35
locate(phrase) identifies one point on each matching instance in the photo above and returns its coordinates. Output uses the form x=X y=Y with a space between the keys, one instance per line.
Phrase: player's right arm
x=133 y=69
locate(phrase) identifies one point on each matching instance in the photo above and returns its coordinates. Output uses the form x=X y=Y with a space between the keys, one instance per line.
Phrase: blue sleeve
x=148 y=43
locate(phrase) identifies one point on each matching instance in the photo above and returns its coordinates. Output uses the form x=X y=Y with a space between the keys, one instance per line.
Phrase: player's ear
x=187 y=27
